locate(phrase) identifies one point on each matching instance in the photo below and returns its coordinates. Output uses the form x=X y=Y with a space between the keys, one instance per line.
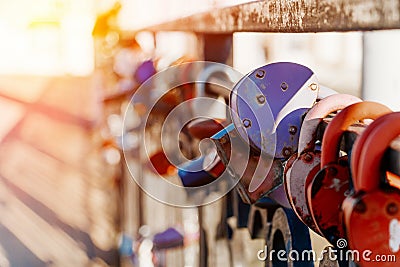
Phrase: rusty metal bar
x=292 y=16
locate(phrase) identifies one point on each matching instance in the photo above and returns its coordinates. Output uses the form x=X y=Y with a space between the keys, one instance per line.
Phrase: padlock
x=357 y=148
x=372 y=214
x=144 y=71
x=288 y=234
x=167 y=248
x=273 y=99
x=248 y=164
x=305 y=164
x=331 y=185
x=267 y=108
x=207 y=168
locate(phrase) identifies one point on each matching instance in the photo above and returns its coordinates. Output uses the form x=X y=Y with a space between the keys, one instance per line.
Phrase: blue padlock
x=192 y=173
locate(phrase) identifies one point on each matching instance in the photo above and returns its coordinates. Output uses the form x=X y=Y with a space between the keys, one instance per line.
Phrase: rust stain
x=294 y=16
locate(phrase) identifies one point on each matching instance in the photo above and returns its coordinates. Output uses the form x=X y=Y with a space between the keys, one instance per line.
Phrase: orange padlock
x=332 y=183
x=306 y=163
x=372 y=215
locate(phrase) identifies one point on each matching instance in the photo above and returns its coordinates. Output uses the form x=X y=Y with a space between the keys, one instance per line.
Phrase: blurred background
x=67 y=68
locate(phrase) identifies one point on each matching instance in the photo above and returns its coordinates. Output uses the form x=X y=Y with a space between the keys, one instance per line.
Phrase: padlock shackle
x=211 y=72
x=342 y=121
x=358 y=147
x=384 y=130
x=202 y=128
x=317 y=113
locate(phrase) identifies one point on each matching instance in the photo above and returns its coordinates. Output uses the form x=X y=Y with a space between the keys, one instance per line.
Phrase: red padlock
x=372 y=215
x=306 y=164
x=332 y=183
x=357 y=148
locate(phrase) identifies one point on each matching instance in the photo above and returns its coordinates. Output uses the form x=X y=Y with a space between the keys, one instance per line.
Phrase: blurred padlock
x=331 y=185
x=288 y=238
x=167 y=248
x=306 y=162
x=144 y=71
x=374 y=208
x=207 y=168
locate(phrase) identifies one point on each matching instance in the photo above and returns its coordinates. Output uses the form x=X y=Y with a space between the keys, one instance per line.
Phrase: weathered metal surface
x=320 y=111
x=244 y=173
x=385 y=129
x=372 y=223
x=332 y=184
x=270 y=103
x=349 y=137
x=325 y=196
x=348 y=116
x=299 y=177
x=292 y=16
x=307 y=163
x=378 y=203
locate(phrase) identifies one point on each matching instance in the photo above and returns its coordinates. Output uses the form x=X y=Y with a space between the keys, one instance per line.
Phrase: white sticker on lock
x=394 y=235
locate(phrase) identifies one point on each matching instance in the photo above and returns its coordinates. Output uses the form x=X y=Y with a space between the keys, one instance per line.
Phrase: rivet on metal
x=308 y=157
x=284 y=86
x=313 y=86
x=292 y=130
x=261 y=99
x=287 y=152
x=392 y=209
x=247 y=123
x=360 y=207
x=260 y=74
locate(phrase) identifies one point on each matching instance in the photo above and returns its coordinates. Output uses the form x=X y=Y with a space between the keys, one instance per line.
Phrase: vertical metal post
x=216 y=48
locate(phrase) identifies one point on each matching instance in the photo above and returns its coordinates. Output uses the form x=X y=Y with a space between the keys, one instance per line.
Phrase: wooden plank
x=292 y=16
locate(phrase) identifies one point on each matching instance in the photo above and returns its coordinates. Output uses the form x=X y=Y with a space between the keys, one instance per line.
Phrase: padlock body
x=325 y=196
x=268 y=106
x=373 y=223
x=302 y=172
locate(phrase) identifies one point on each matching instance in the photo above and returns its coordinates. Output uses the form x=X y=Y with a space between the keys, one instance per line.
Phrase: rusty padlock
x=246 y=162
x=306 y=162
x=331 y=185
x=374 y=208
x=267 y=109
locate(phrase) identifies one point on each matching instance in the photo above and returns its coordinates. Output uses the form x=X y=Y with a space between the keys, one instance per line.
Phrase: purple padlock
x=267 y=110
x=272 y=100
x=144 y=71
x=170 y=238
